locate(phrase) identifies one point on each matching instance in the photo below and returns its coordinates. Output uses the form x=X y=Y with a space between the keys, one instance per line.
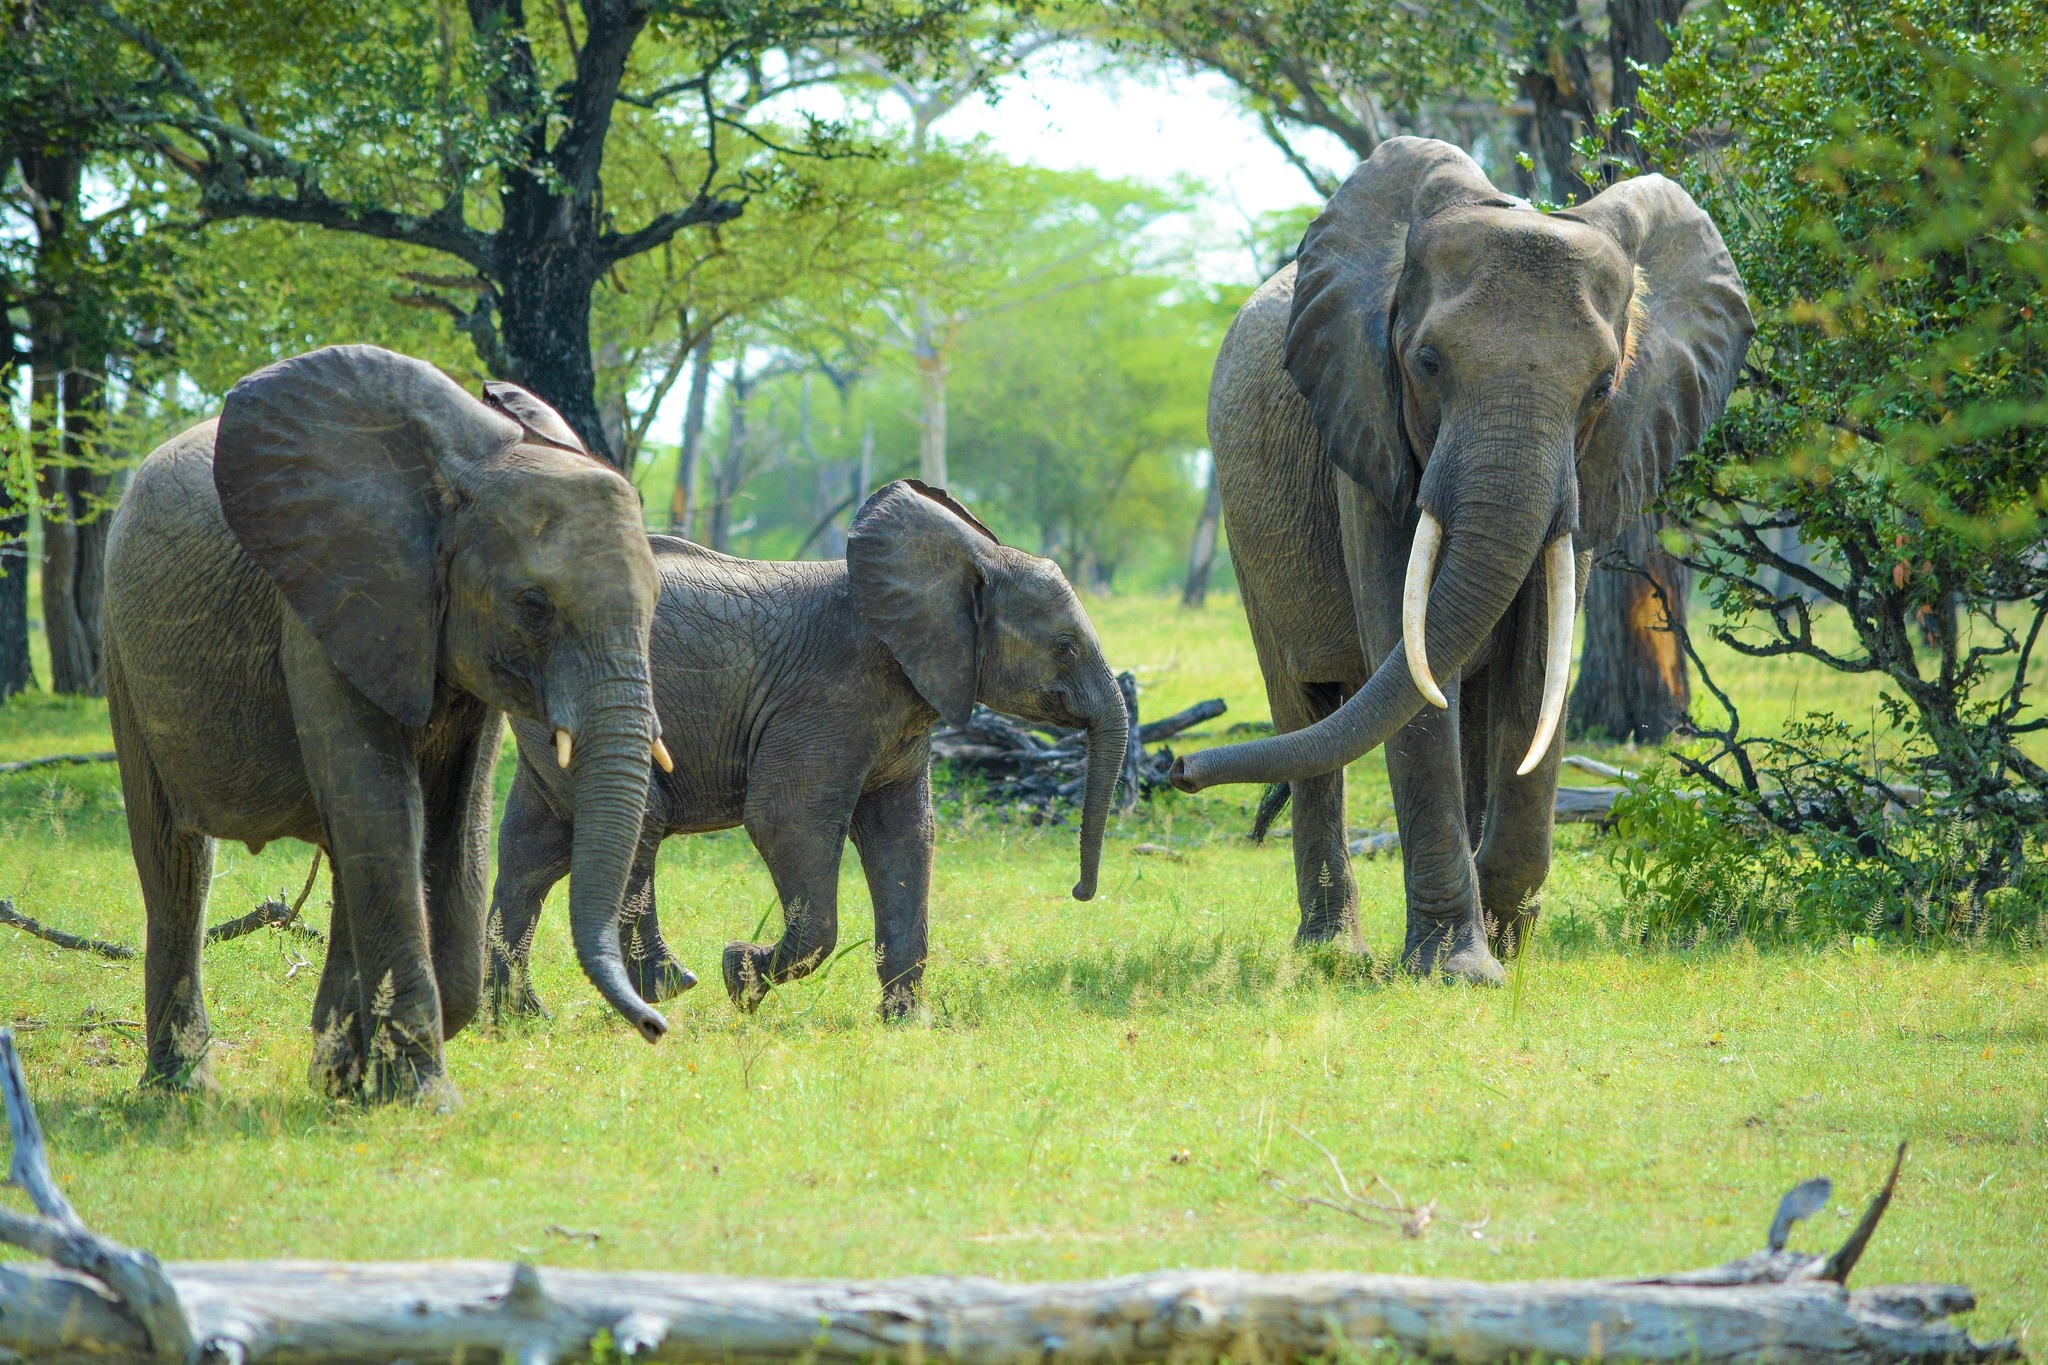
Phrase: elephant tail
x=1270 y=805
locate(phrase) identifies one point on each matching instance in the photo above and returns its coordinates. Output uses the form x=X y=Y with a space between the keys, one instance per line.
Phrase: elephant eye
x=1428 y=361
x=1066 y=647
x=1603 y=387
x=534 y=610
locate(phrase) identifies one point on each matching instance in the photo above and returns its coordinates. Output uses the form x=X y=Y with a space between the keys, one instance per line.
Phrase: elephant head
x=427 y=538
x=971 y=619
x=1514 y=383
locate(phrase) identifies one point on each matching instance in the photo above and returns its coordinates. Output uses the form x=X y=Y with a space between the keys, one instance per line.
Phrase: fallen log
x=271 y=913
x=34 y=927
x=113 y=1304
x=1046 y=768
x=22 y=765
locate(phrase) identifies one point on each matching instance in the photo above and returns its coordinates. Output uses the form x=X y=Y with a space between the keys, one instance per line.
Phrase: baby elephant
x=797 y=700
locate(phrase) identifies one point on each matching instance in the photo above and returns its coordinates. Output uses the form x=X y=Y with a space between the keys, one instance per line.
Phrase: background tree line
x=757 y=210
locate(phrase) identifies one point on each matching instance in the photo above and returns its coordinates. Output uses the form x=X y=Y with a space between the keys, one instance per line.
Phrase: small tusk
x=565 y=748
x=668 y=765
x=1560 y=588
x=1415 y=606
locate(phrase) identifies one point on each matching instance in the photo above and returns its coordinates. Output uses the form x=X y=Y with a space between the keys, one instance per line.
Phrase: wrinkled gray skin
x=798 y=699
x=316 y=608
x=1522 y=377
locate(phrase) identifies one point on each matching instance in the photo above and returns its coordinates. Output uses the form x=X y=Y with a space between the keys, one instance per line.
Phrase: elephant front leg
x=534 y=848
x=339 y=1043
x=360 y=765
x=1515 y=847
x=1445 y=930
x=652 y=966
x=457 y=853
x=893 y=829
x=802 y=848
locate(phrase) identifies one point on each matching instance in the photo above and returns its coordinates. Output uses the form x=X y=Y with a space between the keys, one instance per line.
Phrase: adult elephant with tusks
x=1422 y=428
x=317 y=609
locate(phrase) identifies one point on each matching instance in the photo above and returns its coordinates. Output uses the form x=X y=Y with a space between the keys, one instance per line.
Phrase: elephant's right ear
x=333 y=470
x=915 y=563
x=1338 y=335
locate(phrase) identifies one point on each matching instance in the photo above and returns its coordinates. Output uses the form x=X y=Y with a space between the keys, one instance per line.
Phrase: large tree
x=1365 y=70
x=481 y=135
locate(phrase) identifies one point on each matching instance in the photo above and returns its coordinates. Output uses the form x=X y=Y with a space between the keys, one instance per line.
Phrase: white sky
x=1161 y=129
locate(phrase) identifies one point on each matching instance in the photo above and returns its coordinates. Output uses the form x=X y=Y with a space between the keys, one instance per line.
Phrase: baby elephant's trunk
x=1109 y=730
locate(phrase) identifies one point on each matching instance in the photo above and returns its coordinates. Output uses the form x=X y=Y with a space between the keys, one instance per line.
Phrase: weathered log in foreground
x=313 y=1312
x=104 y=1302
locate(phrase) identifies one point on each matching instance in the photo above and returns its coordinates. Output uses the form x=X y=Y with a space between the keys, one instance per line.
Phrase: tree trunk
x=544 y=330
x=1559 y=83
x=1632 y=676
x=1638 y=35
x=682 y=507
x=74 y=541
x=931 y=433
x=726 y=480
x=1202 y=553
x=15 y=674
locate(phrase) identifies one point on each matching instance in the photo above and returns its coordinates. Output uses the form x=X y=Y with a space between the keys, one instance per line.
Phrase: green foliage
x=1633 y=1111
x=1878 y=174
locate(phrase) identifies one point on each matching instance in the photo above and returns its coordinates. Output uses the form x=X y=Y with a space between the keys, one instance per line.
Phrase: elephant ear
x=1689 y=327
x=1338 y=335
x=544 y=426
x=333 y=470
x=914 y=560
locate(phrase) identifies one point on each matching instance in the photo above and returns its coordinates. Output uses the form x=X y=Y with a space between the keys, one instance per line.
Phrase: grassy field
x=1094 y=1088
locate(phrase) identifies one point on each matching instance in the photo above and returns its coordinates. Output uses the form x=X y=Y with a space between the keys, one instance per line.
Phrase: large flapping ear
x=331 y=469
x=543 y=425
x=1689 y=327
x=914 y=559
x=1338 y=336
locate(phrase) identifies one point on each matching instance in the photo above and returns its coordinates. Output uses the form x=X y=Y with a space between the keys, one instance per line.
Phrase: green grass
x=1614 y=1111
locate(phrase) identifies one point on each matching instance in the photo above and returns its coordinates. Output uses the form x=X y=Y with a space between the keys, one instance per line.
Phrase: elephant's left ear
x=543 y=425
x=1689 y=328
x=915 y=561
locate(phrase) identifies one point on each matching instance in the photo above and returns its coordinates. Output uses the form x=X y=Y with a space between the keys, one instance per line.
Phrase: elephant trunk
x=612 y=745
x=1490 y=542
x=1109 y=732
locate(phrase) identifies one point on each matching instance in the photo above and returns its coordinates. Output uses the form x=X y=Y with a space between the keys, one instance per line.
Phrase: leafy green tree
x=1879 y=173
x=482 y=134
x=90 y=284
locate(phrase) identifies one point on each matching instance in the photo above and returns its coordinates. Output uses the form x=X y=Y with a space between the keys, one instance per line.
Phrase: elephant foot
x=659 y=979
x=899 y=1003
x=1451 y=948
x=423 y=1084
x=336 y=1070
x=746 y=975
x=1327 y=928
x=1506 y=939
x=181 y=1073
x=512 y=995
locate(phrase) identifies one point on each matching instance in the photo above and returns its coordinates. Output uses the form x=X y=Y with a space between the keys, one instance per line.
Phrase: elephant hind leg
x=175 y=868
x=802 y=842
x=1323 y=884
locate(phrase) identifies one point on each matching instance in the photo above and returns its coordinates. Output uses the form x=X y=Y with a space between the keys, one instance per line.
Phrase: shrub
x=1878 y=172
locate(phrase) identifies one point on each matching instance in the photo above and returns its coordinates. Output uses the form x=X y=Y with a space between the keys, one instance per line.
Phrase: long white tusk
x=564 y=748
x=668 y=765
x=1560 y=587
x=1415 y=605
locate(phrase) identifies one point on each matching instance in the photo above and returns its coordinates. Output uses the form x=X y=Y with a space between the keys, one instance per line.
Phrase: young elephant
x=798 y=700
